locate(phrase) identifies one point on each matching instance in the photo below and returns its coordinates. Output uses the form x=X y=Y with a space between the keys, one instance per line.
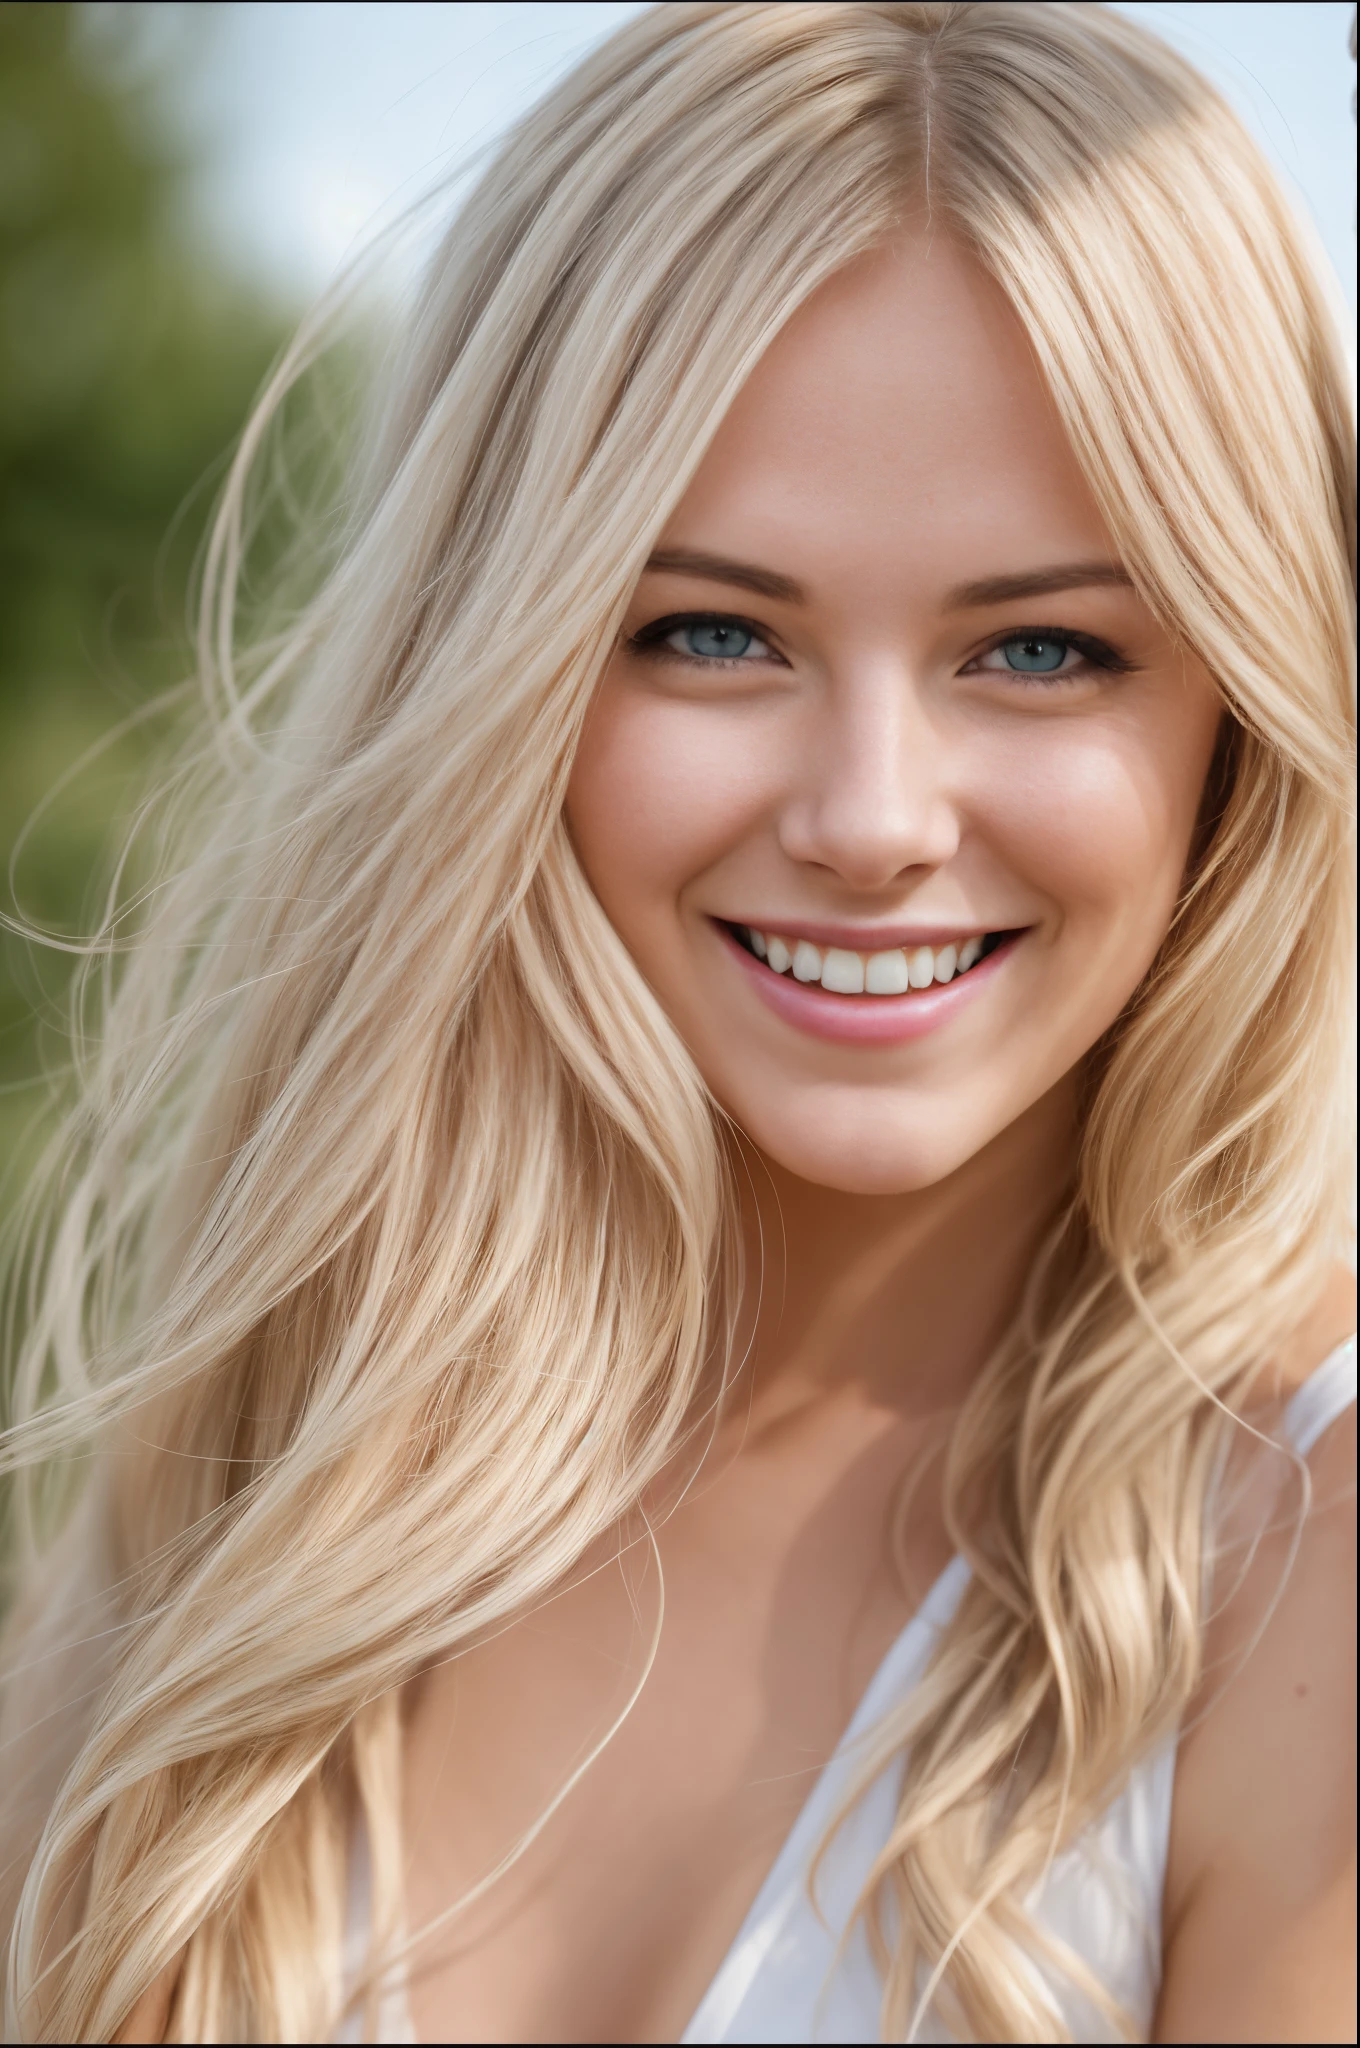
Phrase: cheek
x=1101 y=816
x=660 y=790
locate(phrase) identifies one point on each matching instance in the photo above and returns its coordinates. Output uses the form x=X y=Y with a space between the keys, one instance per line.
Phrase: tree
x=128 y=359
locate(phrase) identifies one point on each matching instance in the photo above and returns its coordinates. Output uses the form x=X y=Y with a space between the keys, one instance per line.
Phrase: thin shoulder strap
x=1325 y=1395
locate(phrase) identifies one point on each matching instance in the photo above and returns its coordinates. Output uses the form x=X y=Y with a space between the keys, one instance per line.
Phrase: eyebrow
x=964 y=597
x=1037 y=583
x=721 y=569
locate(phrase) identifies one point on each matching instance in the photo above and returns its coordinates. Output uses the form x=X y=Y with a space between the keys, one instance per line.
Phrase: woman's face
x=890 y=786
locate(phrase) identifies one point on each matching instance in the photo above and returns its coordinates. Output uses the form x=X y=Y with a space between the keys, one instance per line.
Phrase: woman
x=708 y=1215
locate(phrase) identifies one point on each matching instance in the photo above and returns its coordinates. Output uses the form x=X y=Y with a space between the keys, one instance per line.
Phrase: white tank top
x=791 y=1975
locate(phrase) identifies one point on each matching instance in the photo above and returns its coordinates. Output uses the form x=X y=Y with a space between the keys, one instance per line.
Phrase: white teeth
x=886 y=973
x=842 y=972
x=847 y=973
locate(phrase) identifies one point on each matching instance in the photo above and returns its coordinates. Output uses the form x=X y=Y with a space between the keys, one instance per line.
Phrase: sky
x=323 y=119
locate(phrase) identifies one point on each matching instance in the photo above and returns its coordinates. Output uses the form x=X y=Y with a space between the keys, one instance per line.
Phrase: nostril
x=870 y=838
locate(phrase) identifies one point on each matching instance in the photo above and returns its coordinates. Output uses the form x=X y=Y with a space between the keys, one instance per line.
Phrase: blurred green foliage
x=128 y=360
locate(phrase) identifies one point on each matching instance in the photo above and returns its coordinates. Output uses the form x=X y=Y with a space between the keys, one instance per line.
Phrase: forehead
x=899 y=420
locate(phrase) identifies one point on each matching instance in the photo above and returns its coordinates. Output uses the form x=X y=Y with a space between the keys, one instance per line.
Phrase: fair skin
x=812 y=728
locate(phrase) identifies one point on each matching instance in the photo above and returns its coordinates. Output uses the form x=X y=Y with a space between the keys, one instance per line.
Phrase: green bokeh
x=128 y=360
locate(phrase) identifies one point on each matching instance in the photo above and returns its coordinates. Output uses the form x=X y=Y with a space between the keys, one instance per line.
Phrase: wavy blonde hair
x=395 y=1211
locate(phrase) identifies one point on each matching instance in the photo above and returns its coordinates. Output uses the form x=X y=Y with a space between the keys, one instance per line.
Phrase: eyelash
x=649 y=641
x=1098 y=653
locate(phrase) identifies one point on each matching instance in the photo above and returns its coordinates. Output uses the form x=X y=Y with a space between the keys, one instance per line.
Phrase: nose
x=871 y=798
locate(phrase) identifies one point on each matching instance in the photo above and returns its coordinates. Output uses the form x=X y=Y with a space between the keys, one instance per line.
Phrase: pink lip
x=864 y=1020
x=875 y=938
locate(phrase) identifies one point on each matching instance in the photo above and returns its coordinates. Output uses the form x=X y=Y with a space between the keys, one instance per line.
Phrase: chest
x=613 y=1920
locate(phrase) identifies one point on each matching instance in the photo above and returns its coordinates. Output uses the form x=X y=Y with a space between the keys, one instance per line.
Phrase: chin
x=869 y=1153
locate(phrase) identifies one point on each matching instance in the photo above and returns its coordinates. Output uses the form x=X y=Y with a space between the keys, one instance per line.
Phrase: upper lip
x=881 y=938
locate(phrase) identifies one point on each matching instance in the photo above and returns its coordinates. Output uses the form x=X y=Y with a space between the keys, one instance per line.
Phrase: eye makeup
x=728 y=640
x=733 y=641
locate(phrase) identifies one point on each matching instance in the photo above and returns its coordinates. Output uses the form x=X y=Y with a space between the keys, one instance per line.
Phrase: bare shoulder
x=1260 y=1898
x=1330 y=1323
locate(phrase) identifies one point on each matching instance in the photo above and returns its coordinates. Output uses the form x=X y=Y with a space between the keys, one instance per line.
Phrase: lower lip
x=866 y=1020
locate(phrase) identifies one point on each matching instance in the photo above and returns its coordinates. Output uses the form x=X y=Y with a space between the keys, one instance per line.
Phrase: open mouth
x=896 y=971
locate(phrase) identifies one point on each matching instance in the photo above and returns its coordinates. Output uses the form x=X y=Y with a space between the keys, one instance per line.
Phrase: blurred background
x=177 y=183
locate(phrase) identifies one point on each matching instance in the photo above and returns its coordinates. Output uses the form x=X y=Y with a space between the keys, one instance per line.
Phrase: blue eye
x=714 y=640
x=1050 y=651
x=705 y=640
x=1034 y=654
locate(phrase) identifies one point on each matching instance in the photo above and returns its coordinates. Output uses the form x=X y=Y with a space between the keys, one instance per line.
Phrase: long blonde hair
x=395 y=1211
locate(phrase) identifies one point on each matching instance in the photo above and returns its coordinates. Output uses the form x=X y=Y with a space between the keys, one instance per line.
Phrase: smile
x=844 y=972
x=884 y=995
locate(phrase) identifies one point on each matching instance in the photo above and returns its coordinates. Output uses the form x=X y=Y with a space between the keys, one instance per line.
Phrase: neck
x=895 y=1299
